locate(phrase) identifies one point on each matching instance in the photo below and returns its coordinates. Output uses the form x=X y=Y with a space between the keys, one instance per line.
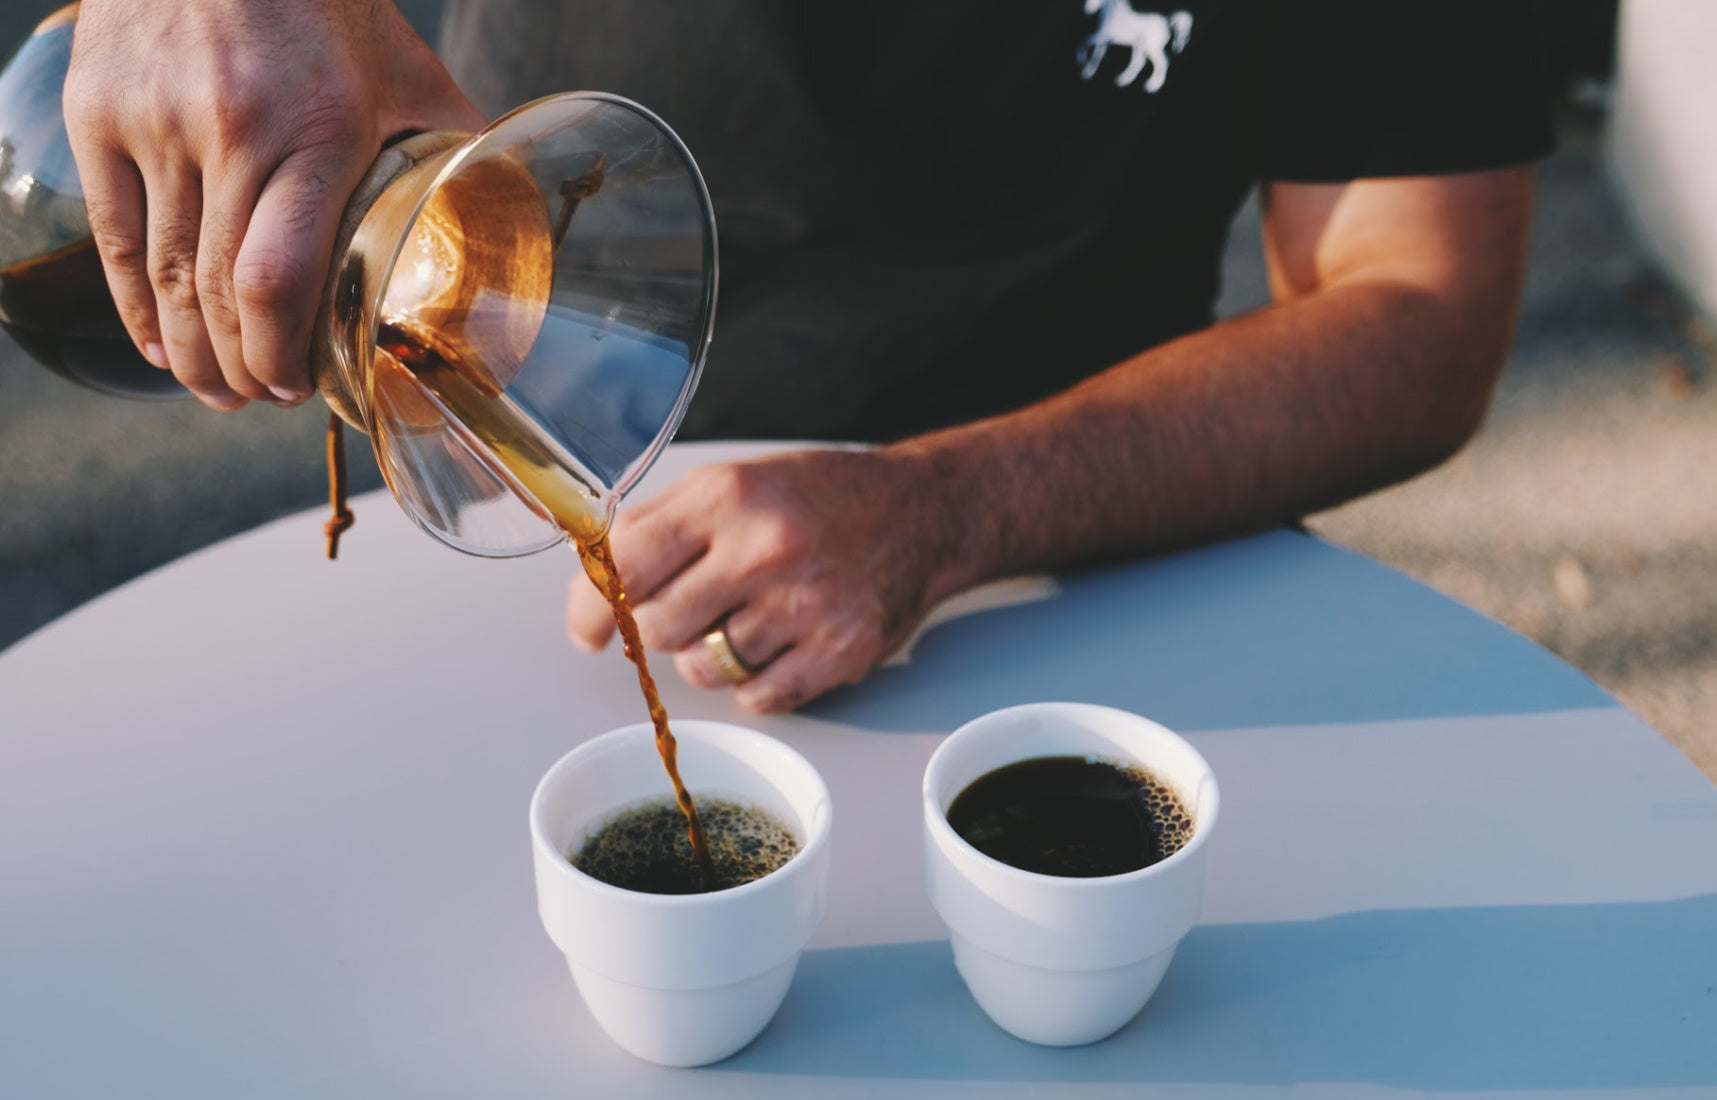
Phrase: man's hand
x=218 y=142
x=818 y=564
x=1395 y=305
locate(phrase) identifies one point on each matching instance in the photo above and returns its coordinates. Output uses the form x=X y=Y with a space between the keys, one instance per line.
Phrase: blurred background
x=1583 y=515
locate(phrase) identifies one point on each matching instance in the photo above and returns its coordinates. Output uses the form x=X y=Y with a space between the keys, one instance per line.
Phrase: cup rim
x=936 y=819
x=698 y=729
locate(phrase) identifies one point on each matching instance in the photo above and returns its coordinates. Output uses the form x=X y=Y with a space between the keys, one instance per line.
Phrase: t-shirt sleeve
x=1362 y=88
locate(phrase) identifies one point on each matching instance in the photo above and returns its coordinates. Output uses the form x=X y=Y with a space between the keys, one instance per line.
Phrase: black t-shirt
x=929 y=212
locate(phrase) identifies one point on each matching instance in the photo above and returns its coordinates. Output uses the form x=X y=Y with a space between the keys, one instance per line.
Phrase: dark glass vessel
x=54 y=299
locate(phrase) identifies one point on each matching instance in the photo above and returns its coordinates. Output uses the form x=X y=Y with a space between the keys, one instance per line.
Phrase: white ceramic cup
x=680 y=980
x=1055 y=960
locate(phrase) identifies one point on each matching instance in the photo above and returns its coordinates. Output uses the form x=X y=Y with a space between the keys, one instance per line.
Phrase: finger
x=113 y=197
x=589 y=618
x=279 y=271
x=660 y=539
x=680 y=612
x=756 y=637
x=227 y=198
x=797 y=676
x=175 y=204
x=649 y=545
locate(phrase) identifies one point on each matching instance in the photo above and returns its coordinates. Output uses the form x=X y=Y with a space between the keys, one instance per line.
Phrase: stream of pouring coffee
x=478 y=403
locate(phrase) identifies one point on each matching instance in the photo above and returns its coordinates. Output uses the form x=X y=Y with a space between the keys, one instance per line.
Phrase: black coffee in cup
x=1074 y=816
x=645 y=848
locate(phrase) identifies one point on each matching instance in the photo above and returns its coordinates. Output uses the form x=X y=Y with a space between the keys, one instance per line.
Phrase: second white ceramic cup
x=681 y=980
x=1055 y=960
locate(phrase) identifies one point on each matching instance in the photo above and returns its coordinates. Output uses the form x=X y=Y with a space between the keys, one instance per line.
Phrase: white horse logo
x=1150 y=36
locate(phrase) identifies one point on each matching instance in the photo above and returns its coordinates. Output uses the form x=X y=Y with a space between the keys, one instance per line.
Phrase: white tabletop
x=262 y=834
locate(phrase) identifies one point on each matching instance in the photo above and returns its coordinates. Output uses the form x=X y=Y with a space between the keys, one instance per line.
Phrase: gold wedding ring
x=721 y=652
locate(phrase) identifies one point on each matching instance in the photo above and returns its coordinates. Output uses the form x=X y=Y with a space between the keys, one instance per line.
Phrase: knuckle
x=174 y=274
x=248 y=105
x=218 y=310
x=738 y=480
x=854 y=646
x=806 y=602
x=238 y=110
x=90 y=94
x=268 y=281
x=325 y=134
x=784 y=537
x=733 y=484
x=330 y=118
x=119 y=247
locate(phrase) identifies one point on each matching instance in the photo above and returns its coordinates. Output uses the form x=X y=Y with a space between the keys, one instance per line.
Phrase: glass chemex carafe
x=516 y=317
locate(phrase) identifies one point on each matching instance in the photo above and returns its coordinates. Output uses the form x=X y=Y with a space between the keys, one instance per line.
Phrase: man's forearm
x=1396 y=305
x=1253 y=422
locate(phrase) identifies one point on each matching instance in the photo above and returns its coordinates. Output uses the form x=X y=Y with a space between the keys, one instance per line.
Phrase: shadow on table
x=1274 y=630
x=1531 y=997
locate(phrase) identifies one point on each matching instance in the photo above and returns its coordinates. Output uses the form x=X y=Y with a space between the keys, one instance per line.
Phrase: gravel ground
x=1583 y=515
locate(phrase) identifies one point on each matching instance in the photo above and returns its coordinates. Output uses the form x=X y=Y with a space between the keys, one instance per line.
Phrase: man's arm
x=1395 y=305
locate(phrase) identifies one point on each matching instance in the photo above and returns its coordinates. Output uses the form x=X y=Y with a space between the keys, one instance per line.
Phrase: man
x=984 y=235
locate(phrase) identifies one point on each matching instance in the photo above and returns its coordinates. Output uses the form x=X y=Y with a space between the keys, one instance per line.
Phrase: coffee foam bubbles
x=1169 y=816
x=646 y=848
